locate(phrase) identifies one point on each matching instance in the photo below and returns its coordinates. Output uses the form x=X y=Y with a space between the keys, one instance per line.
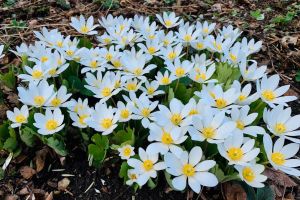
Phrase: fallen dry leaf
x=234 y=191
x=11 y=197
x=27 y=172
x=286 y=40
x=63 y=184
x=279 y=178
x=40 y=159
x=49 y=196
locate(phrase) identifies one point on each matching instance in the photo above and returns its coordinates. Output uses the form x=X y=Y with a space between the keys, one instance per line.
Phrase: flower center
x=106 y=91
x=127 y=151
x=59 y=43
x=165 y=80
x=37 y=74
x=51 y=124
x=205 y=30
x=106 y=123
x=200 y=75
x=193 y=112
x=44 y=59
x=55 y=102
x=70 y=52
x=168 y=23
x=166 y=138
x=208 y=132
x=268 y=95
x=176 y=119
x=199 y=45
x=148 y=165
x=188 y=170
x=116 y=63
x=187 y=38
x=133 y=176
x=106 y=40
x=179 y=71
x=280 y=128
x=172 y=55
x=84 y=29
x=242 y=97
x=151 y=50
x=94 y=64
x=138 y=71
x=145 y=112
x=166 y=42
x=52 y=71
x=221 y=103
x=108 y=56
x=82 y=119
x=131 y=86
x=235 y=153
x=20 y=118
x=125 y=113
x=39 y=100
x=150 y=90
x=278 y=158
x=248 y=174
x=233 y=57
x=240 y=125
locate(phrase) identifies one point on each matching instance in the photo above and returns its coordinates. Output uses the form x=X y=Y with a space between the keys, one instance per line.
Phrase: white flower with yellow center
x=151 y=48
x=165 y=138
x=79 y=105
x=280 y=122
x=218 y=44
x=126 y=38
x=18 y=116
x=169 y=20
x=81 y=117
x=60 y=99
x=104 y=119
x=187 y=34
x=177 y=115
x=82 y=26
x=238 y=150
x=132 y=176
x=270 y=93
x=21 y=50
x=104 y=39
x=251 y=46
x=40 y=54
x=108 y=54
x=93 y=81
x=35 y=74
x=57 y=65
x=131 y=85
x=199 y=108
x=211 y=127
x=280 y=156
x=168 y=39
x=252 y=174
x=199 y=44
x=70 y=50
x=228 y=32
x=92 y=60
x=50 y=122
x=244 y=97
x=187 y=167
x=139 y=22
x=178 y=68
x=125 y=111
x=143 y=110
x=205 y=28
x=164 y=79
x=244 y=120
x=1 y=51
x=252 y=72
x=169 y=53
x=235 y=54
x=202 y=74
x=52 y=38
x=126 y=151
x=151 y=89
x=147 y=166
x=36 y=95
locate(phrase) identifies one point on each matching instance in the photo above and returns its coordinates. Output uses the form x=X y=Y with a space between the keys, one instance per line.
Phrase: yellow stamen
x=176 y=119
x=37 y=74
x=148 y=165
x=125 y=113
x=188 y=170
x=166 y=138
x=51 y=124
x=20 y=118
x=221 y=103
x=240 y=125
x=235 y=153
x=145 y=112
x=278 y=158
x=106 y=123
x=208 y=132
x=106 y=92
x=39 y=100
x=280 y=128
x=269 y=95
x=55 y=102
x=248 y=174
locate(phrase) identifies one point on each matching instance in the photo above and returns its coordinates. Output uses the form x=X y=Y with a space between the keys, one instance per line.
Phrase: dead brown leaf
x=63 y=184
x=49 y=196
x=23 y=191
x=27 y=172
x=279 y=178
x=286 y=40
x=40 y=159
x=11 y=197
x=234 y=191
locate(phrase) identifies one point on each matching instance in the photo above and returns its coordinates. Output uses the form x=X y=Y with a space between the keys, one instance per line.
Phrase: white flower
x=1 y=51
x=52 y=38
x=37 y=95
x=147 y=166
x=168 y=38
x=104 y=118
x=211 y=126
x=251 y=47
x=252 y=72
x=125 y=111
x=50 y=123
x=178 y=68
x=126 y=151
x=202 y=74
x=187 y=167
x=143 y=110
x=21 y=50
x=252 y=174
x=92 y=60
x=84 y=27
x=169 y=53
x=230 y=33
x=18 y=116
x=243 y=121
x=79 y=105
x=199 y=43
x=151 y=48
x=139 y=22
x=280 y=156
x=205 y=28
x=235 y=54
x=81 y=117
x=178 y=115
x=244 y=97
x=132 y=176
x=271 y=93
x=60 y=99
x=218 y=44
x=151 y=89
x=165 y=138
x=281 y=124
x=164 y=79
x=131 y=85
x=93 y=81
x=169 y=20
x=35 y=74
x=238 y=150
x=187 y=34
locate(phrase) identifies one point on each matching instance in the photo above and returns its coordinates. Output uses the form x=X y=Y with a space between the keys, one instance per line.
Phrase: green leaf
x=85 y=42
x=123 y=170
x=257 y=15
x=10 y=144
x=171 y=94
x=101 y=141
x=151 y=184
x=27 y=135
x=298 y=76
x=265 y=193
x=57 y=145
x=257 y=106
x=98 y=154
x=123 y=137
x=8 y=79
x=251 y=195
x=1 y=173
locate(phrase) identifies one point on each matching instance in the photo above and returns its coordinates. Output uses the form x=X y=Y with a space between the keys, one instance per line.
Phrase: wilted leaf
x=234 y=191
x=63 y=184
x=279 y=178
x=27 y=172
x=40 y=157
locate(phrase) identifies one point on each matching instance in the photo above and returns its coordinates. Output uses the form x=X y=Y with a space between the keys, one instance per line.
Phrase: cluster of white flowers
x=124 y=66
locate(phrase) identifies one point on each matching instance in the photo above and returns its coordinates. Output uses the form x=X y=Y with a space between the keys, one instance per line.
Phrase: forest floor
x=275 y=22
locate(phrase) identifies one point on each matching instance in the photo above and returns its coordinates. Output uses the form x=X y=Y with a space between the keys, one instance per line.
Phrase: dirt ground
x=18 y=19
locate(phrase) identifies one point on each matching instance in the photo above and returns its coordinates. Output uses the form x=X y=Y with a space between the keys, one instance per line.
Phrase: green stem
x=177 y=85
